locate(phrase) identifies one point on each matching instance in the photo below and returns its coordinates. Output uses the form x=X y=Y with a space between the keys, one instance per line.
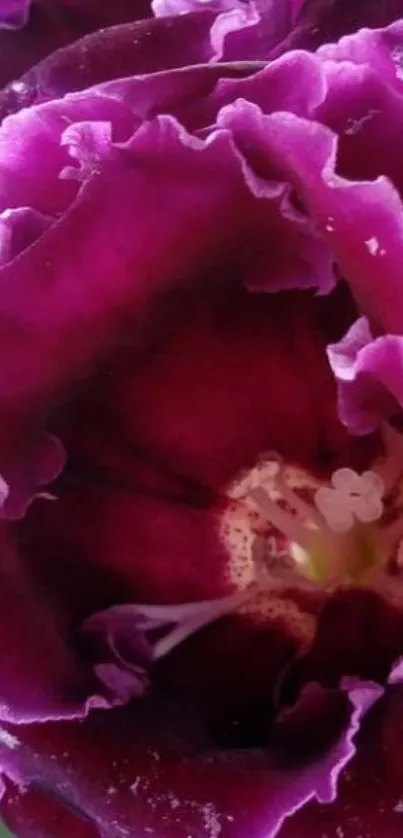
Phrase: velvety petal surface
x=72 y=331
x=33 y=155
x=369 y=798
x=138 y=507
x=321 y=21
x=14 y=13
x=18 y=229
x=30 y=31
x=39 y=670
x=242 y=30
x=150 y=777
x=362 y=221
x=206 y=186
x=129 y=49
x=369 y=376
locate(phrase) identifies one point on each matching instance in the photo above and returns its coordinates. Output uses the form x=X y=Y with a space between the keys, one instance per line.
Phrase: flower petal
x=32 y=813
x=18 y=229
x=147 y=776
x=32 y=158
x=369 y=375
x=380 y=49
x=358 y=634
x=130 y=49
x=370 y=793
x=362 y=221
x=217 y=209
x=50 y=25
x=321 y=22
x=39 y=672
x=14 y=13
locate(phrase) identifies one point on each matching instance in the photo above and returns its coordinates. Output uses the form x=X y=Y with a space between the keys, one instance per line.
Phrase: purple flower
x=201 y=458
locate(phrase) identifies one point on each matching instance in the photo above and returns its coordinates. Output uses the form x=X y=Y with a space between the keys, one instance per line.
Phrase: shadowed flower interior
x=284 y=532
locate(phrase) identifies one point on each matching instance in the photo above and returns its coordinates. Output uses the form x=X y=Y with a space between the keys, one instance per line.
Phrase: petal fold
x=369 y=372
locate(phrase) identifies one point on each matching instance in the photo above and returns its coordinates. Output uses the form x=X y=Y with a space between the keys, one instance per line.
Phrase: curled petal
x=18 y=229
x=89 y=143
x=369 y=374
x=380 y=49
x=127 y=50
x=362 y=221
x=29 y=466
x=14 y=13
x=321 y=22
x=32 y=156
x=31 y=31
x=147 y=772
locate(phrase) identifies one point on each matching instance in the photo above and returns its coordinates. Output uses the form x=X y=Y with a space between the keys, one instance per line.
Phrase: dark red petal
x=40 y=675
x=74 y=300
x=135 y=770
x=229 y=384
x=369 y=801
x=33 y=813
x=358 y=634
x=124 y=544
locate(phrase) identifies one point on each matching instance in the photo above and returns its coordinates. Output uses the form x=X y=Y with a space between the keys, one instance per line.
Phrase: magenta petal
x=194 y=95
x=369 y=373
x=320 y=780
x=232 y=16
x=396 y=674
x=14 y=13
x=32 y=157
x=18 y=229
x=362 y=221
x=270 y=23
x=51 y=24
x=324 y=22
x=380 y=49
x=90 y=144
x=356 y=106
x=204 y=186
x=28 y=469
x=164 y=8
x=148 y=774
x=123 y=651
x=370 y=794
x=130 y=49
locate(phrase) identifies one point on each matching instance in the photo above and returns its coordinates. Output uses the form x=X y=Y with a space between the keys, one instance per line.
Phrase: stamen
x=188 y=617
x=304 y=510
x=290 y=525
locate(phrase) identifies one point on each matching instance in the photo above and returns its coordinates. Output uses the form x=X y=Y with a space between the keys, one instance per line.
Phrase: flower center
x=286 y=532
x=284 y=528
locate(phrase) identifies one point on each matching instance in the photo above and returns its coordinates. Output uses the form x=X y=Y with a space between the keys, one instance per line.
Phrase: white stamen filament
x=198 y=616
x=290 y=525
x=304 y=510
